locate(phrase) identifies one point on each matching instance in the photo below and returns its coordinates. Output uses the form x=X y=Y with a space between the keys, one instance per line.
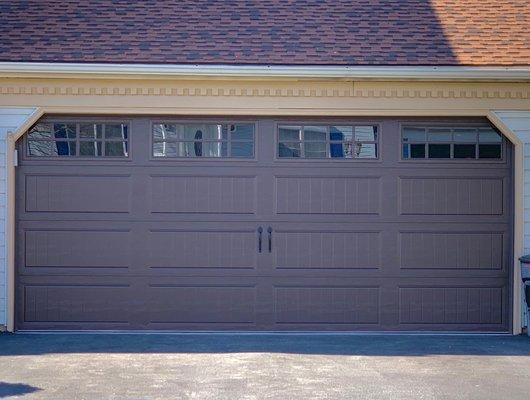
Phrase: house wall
x=23 y=100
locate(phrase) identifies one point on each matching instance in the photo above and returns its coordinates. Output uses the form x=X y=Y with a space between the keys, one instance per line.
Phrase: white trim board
x=431 y=73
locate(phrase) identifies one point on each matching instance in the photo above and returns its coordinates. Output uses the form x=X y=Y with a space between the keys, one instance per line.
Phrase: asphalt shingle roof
x=291 y=32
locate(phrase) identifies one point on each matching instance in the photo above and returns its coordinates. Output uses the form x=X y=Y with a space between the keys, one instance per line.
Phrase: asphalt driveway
x=101 y=366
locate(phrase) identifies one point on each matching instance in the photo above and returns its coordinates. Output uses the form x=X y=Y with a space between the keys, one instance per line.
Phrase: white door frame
x=494 y=118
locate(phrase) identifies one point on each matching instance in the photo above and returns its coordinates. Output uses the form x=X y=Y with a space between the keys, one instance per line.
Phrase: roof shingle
x=289 y=32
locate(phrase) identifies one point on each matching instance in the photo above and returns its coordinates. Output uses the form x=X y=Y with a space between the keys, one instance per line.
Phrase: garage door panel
x=84 y=303
x=452 y=306
x=451 y=196
x=327 y=195
x=328 y=250
x=78 y=193
x=47 y=248
x=198 y=303
x=225 y=194
x=452 y=250
x=73 y=302
x=326 y=305
x=83 y=248
x=204 y=303
x=211 y=249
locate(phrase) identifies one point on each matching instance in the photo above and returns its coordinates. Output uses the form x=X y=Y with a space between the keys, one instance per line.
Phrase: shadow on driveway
x=15 y=389
x=363 y=345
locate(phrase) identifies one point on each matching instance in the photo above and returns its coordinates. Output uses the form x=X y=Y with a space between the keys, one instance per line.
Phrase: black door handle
x=260 y=231
x=269 y=230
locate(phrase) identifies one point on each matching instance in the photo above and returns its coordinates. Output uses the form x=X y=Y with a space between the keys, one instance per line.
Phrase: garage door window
x=327 y=141
x=81 y=139
x=451 y=143
x=203 y=140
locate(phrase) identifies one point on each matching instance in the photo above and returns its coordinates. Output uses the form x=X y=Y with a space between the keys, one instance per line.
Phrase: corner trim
x=518 y=220
x=11 y=139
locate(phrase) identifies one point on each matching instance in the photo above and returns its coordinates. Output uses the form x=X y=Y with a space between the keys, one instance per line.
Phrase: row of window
x=207 y=140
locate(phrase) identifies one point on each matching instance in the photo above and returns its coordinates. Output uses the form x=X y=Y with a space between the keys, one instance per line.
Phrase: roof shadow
x=362 y=345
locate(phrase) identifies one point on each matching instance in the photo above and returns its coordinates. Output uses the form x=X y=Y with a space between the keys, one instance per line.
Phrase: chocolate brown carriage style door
x=263 y=224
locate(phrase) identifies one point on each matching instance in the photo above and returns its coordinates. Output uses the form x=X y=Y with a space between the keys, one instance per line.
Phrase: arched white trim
x=10 y=140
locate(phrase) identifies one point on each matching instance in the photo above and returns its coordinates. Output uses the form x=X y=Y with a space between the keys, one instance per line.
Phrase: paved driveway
x=98 y=366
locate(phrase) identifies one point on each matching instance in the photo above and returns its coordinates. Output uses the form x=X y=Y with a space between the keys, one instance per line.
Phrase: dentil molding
x=333 y=89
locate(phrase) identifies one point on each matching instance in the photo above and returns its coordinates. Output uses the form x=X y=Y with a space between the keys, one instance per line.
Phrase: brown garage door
x=270 y=224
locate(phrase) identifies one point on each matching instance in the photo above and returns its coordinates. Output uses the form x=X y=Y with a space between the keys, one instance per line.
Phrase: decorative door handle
x=260 y=231
x=269 y=230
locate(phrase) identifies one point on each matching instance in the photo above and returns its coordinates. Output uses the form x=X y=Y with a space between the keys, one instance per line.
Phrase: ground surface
x=283 y=367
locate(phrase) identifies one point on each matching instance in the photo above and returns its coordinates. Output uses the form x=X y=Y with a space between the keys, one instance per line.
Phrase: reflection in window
x=325 y=141
x=197 y=145
x=82 y=139
x=287 y=149
x=203 y=140
x=55 y=148
x=451 y=143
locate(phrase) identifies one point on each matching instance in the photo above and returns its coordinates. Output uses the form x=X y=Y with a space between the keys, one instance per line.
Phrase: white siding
x=10 y=120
